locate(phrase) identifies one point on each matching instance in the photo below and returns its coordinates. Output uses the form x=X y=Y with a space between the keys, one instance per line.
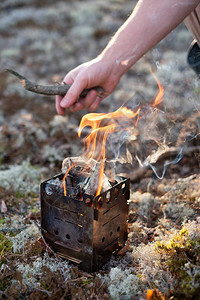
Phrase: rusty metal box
x=89 y=230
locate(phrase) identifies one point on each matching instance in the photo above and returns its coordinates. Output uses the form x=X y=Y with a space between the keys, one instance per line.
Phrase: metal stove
x=82 y=228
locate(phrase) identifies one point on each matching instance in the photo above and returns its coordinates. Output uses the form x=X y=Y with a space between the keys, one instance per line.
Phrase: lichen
x=177 y=211
x=149 y=266
x=22 y=178
x=52 y=154
x=20 y=240
x=122 y=283
x=32 y=273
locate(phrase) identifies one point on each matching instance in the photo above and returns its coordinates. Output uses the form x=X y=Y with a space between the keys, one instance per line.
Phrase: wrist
x=123 y=51
x=115 y=62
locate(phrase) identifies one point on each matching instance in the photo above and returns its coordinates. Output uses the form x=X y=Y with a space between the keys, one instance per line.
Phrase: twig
x=59 y=89
x=38 y=226
x=45 y=291
x=49 y=248
x=79 y=278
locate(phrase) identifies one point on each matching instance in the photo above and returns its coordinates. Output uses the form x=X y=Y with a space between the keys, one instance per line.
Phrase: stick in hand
x=59 y=89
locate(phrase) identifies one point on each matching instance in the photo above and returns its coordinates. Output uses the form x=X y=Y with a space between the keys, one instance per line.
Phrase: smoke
x=159 y=140
x=142 y=131
x=166 y=164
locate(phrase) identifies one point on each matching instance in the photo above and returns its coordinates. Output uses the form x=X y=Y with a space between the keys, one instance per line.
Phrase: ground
x=44 y=40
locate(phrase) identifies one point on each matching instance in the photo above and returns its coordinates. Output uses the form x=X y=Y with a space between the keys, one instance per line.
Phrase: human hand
x=96 y=72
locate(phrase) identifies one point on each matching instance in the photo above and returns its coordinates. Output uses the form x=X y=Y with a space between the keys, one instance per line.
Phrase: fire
x=96 y=140
x=160 y=94
x=63 y=185
x=102 y=125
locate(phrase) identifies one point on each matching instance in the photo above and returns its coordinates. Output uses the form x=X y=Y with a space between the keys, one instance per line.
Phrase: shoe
x=193 y=57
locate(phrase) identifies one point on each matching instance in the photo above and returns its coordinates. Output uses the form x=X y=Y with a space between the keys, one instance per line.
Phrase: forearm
x=149 y=23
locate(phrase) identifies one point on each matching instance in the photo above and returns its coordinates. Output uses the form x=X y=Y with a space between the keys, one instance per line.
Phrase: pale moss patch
x=193 y=229
x=180 y=255
x=52 y=154
x=178 y=211
x=12 y=225
x=20 y=240
x=171 y=264
x=32 y=273
x=22 y=178
x=150 y=268
x=122 y=283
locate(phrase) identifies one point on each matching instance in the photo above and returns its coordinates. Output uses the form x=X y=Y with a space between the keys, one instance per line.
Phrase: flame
x=160 y=94
x=102 y=125
x=96 y=140
x=63 y=185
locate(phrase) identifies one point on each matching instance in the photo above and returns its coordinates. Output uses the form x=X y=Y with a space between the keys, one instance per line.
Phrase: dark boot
x=193 y=57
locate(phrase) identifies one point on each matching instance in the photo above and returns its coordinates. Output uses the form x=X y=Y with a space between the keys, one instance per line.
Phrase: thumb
x=73 y=94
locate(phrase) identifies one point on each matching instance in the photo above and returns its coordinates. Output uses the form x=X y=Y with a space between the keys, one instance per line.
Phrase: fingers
x=73 y=94
x=72 y=99
x=95 y=104
x=84 y=103
x=60 y=110
x=90 y=102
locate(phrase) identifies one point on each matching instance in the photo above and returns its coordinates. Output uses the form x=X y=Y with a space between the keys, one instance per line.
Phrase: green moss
x=5 y=244
x=189 y=286
x=5 y=247
x=2 y=221
x=86 y=281
x=183 y=232
x=19 y=195
x=181 y=255
x=34 y=210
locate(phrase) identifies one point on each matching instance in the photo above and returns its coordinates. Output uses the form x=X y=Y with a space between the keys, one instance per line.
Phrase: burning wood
x=84 y=175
